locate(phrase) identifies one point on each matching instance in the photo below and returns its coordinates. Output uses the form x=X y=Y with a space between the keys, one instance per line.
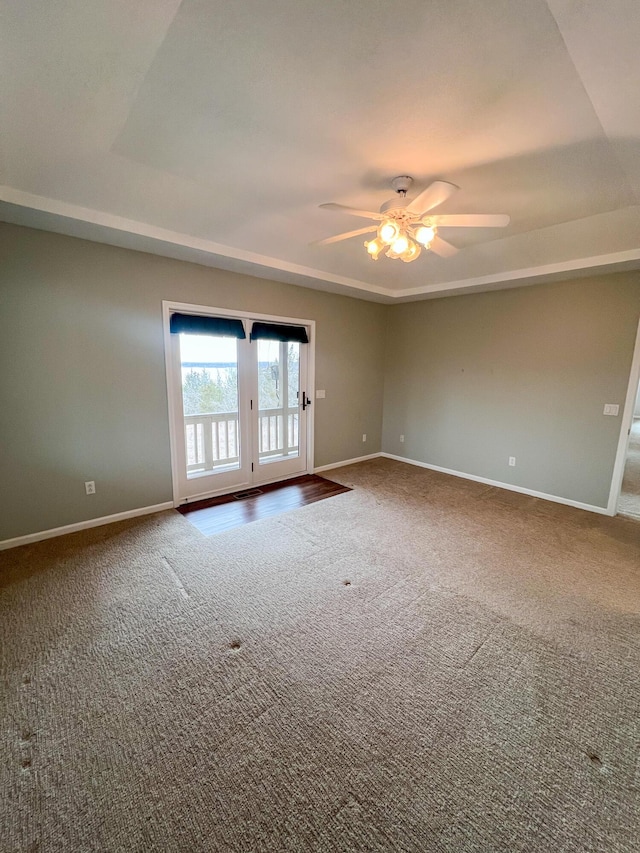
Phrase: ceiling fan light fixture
x=425 y=234
x=388 y=231
x=404 y=229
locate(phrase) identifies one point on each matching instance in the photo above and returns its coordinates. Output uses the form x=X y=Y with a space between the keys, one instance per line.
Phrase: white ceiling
x=212 y=130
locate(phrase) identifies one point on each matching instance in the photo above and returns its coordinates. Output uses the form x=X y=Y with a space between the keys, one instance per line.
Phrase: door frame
x=169 y=307
x=625 y=427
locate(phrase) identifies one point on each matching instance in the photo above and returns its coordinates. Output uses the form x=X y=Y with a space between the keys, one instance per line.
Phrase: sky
x=208 y=348
x=202 y=348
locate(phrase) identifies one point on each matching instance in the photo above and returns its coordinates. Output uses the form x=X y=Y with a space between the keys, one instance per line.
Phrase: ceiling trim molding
x=630 y=258
x=164 y=235
x=307 y=276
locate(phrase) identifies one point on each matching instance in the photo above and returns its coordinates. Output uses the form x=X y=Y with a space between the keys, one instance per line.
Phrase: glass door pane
x=278 y=401
x=209 y=370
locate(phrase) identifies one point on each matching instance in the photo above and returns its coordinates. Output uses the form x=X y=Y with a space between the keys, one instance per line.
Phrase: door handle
x=306 y=401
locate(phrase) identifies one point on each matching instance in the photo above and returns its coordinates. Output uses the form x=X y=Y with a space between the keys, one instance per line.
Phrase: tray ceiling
x=212 y=131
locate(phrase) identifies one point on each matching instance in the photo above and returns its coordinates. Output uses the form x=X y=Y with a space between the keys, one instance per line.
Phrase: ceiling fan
x=406 y=227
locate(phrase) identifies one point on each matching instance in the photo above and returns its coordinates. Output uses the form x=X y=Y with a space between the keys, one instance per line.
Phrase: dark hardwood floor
x=214 y=515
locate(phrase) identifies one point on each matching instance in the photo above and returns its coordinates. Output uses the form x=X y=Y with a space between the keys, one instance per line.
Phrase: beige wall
x=472 y=380
x=469 y=380
x=82 y=383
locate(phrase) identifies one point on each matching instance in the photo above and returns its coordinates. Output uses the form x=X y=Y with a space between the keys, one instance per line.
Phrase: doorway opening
x=629 y=501
x=239 y=392
x=624 y=496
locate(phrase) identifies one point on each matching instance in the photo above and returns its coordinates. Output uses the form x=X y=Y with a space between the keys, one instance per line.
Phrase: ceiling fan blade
x=471 y=220
x=347 y=234
x=440 y=247
x=353 y=211
x=435 y=194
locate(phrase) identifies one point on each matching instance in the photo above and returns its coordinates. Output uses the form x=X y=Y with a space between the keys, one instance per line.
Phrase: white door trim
x=625 y=426
x=169 y=307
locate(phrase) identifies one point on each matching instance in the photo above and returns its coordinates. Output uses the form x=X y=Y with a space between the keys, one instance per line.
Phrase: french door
x=239 y=396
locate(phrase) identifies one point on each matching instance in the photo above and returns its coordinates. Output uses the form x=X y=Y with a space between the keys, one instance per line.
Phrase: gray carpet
x=629 y=503
x=421 y=664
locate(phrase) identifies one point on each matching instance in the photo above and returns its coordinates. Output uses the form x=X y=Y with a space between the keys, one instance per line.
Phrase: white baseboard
x=82 y=525
x=347 y=462
x=554 y=498
x=148 y=510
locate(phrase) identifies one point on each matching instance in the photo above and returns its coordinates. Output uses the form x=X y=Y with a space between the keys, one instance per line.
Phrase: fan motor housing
x=394 y=204
x=395 y=209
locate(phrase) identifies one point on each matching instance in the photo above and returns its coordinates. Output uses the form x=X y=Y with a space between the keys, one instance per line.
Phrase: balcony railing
x=212 y=440
x=273 y=438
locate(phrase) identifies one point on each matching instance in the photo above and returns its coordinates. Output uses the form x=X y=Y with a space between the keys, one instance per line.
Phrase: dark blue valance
x=279 y=332
x=198 y=324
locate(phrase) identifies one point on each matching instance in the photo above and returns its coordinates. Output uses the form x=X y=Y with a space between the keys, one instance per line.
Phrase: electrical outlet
x=402 y=438
x=90 y=487
x=364 y=436
x=512 y=461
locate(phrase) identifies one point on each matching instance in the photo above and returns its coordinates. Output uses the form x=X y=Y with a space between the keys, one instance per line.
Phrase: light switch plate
x=320 y=395
x=611 y=409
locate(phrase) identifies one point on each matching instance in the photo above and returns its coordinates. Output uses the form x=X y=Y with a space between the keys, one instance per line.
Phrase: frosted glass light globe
x=413 y=251
x=400 y=245
x=425 y=234
x=373 y=248
x=388 y=232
